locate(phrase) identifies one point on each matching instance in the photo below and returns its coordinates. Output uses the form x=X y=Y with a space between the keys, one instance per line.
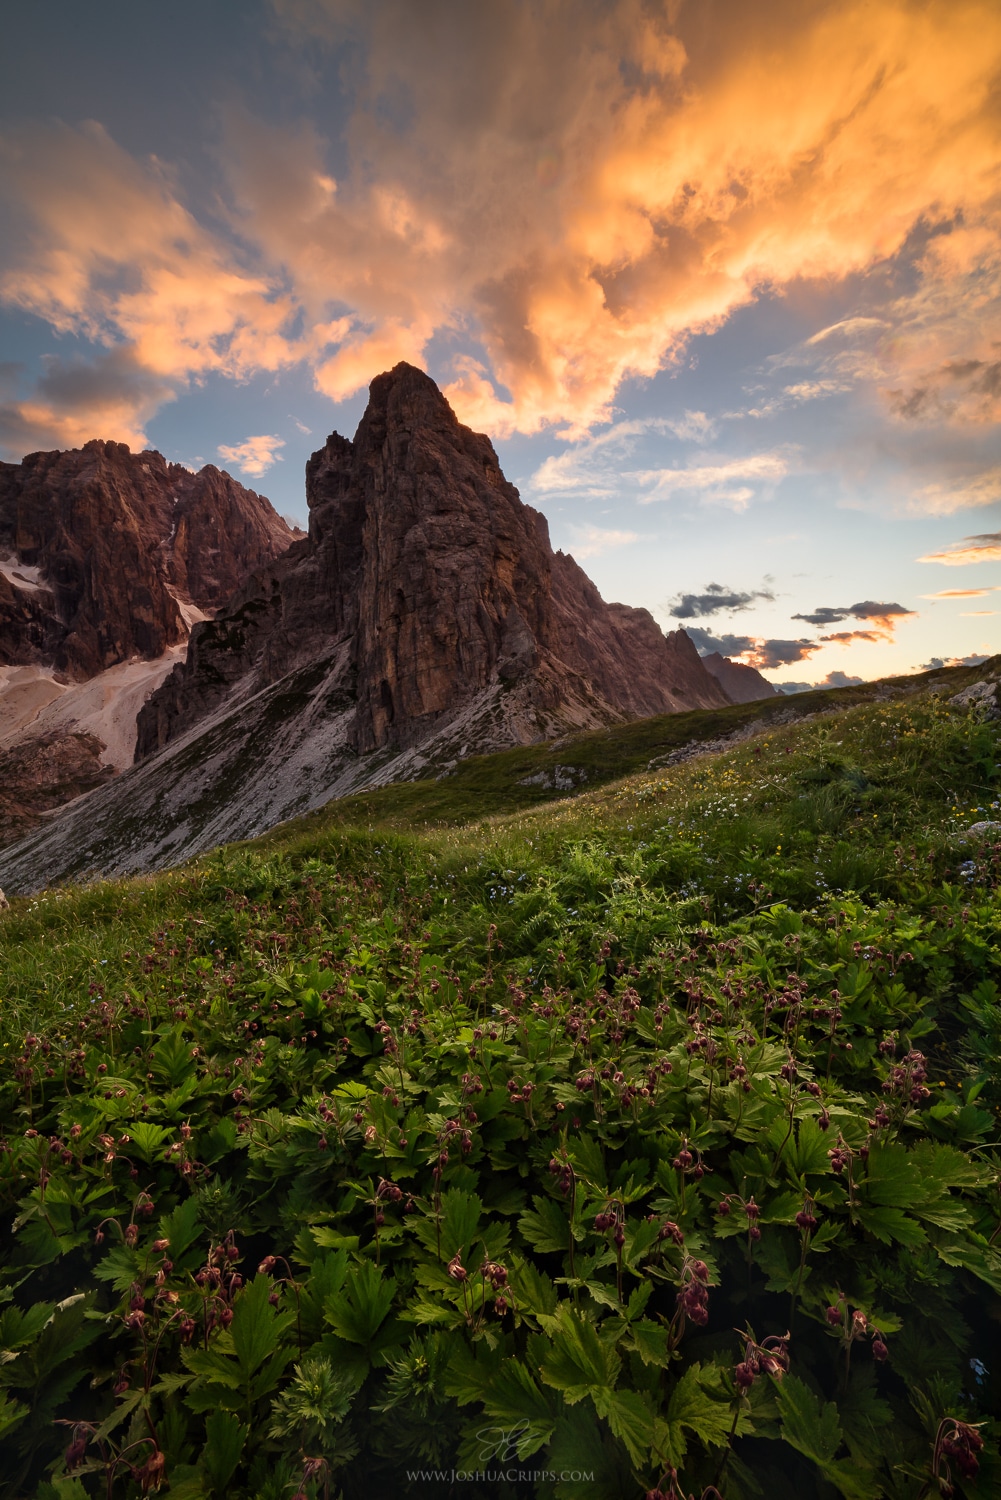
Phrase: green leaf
x=225 y=1437
x=147 y=1138
x=640 y=1240
x=629 y=1417
x=257 y=1326
x=649 y=1339
x=460 y=1217
x=587 y=1161
x=889 y=1224
x=12 y=1413
x=807 y=1152
x=811 y=1429
x=577 y=1360
x=172 y=1059
x=548 y=1228
x=120 y=1265
x=180 y=1227
x=533 y=1290
x=358 y=1310
x=892 y=1178
x=691 y=1405
x=513 y=1397
x=815 y=1431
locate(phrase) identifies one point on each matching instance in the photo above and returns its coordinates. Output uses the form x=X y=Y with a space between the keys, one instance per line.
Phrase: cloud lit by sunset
x=571 y=214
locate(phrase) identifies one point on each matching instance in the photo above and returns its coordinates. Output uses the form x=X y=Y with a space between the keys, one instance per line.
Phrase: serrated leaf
x=892 y=1179
x=533 y=1290
x=460 y=1217
x=147 y=1138
x=357 y=1311
x=513 y=1397
x=548 y=1228
x=640 y=1240
x=891 y=1224
x=577 y=1361
x=257 y=1327
x=12 y=1413
x=629 y=1417
x=587 y=1161
x=692 y=1406
x=180 y=1227
x=815 y=1431
x=225 y=1437
x=649 y=1339
x=810 y=1428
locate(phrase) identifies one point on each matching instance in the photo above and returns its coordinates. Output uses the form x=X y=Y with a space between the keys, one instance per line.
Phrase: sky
x=720 y=278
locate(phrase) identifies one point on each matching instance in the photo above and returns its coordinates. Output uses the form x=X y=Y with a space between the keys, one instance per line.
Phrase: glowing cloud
x=961 y=593
x=575 y=187
x=972 y=549
x=254 y=456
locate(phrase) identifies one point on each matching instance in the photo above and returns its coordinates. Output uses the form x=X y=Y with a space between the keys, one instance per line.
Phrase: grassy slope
x=854 y=817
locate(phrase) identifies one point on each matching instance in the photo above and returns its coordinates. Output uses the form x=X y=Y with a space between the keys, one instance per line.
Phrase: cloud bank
x=564 y=193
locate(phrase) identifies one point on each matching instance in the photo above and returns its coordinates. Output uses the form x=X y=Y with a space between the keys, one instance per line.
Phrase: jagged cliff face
x=423 y=563
x=106 y=559
x=742 y=684
x=424 y=618
x=104 y=552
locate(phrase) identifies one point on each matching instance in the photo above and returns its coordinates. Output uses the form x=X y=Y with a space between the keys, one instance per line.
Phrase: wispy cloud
x=959 y=493
x=255 y=455
x=962 y=593
x=985 y=547
x=592 y=541
x=715 y=482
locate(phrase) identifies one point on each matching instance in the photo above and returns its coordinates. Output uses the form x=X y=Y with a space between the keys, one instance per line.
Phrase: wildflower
x=456 y=1269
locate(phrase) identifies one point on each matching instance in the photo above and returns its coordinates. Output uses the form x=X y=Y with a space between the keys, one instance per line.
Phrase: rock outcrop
x=106 y=555
x=740 y=683
x=423 y=563
x=425 y=618
x=106 y=559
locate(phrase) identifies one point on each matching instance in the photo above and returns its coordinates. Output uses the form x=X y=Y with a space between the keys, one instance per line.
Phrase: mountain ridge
x=424 y=618
x=107 y=558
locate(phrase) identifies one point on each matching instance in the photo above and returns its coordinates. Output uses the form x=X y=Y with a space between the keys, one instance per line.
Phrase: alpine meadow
x=630 y=1134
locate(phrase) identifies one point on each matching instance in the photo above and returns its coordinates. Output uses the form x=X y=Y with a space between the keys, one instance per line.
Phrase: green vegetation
x=642 y=1140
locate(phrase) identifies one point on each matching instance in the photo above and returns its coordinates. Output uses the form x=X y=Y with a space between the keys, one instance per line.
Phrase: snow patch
x=29 y=580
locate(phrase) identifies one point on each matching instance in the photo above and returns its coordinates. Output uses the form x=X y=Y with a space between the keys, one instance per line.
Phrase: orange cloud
x=961 y=593
x=973 y=549
x=578 y=188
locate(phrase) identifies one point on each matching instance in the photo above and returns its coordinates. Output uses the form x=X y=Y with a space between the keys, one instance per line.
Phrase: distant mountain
x=424 y=618
x=107 y=558
x=741 y=684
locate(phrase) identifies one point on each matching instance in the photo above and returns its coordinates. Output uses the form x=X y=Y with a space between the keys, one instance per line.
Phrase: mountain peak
x=425 y=618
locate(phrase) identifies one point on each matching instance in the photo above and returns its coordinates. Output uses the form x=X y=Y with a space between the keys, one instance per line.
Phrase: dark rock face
x=423 y=563
x=40 y=774
x=105 y=557
x=101 y=550
x=741 y=684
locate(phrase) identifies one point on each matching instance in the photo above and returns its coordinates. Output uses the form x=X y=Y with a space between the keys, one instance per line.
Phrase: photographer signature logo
x=502 y=1444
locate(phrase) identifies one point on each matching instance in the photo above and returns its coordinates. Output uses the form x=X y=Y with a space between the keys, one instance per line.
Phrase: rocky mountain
x=107 y=558
x=425 y=617
x=741 y=684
